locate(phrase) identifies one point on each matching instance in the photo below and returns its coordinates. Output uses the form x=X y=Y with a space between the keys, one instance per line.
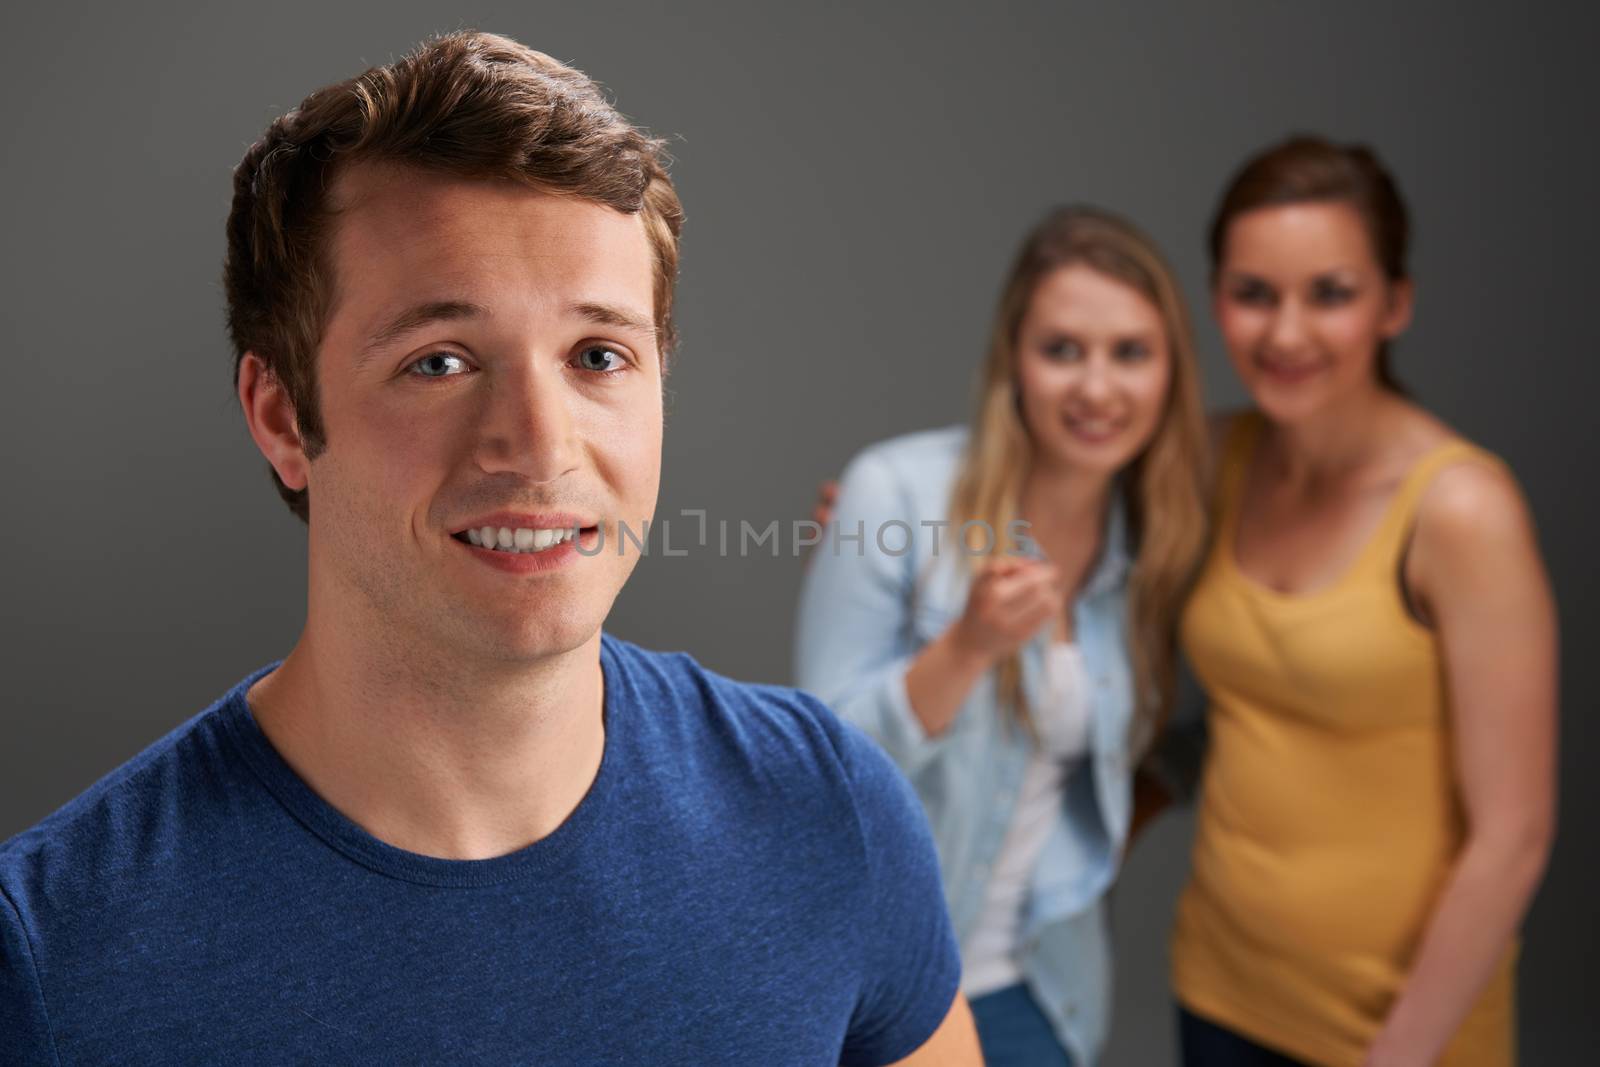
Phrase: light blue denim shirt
x=867 y=609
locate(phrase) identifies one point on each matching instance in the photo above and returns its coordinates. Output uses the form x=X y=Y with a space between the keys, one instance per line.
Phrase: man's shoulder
x=785 y=733
x=702 y=698
x=127 y=825
x=809 y=801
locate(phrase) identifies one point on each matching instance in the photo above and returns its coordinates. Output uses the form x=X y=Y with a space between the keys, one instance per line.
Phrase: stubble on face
x=517 y=424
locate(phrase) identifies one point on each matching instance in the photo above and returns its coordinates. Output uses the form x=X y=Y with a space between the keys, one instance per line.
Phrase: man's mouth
x=519 y=539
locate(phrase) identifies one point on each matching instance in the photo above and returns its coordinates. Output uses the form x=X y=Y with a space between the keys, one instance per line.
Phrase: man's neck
x=456 y=760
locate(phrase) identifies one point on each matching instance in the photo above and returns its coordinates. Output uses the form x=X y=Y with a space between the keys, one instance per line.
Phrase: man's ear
x=270 y=415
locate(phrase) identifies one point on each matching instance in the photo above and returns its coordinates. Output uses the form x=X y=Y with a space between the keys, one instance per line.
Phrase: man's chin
x=529 y=637
x=549 y=639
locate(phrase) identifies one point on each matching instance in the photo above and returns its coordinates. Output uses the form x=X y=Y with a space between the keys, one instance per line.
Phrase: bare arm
x=1476 y=565
x=954 y=1044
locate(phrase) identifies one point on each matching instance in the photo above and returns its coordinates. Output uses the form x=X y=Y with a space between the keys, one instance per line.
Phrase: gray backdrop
x=856 y=180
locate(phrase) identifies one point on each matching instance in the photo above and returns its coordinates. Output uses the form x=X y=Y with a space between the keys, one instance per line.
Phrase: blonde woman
x=997 y=608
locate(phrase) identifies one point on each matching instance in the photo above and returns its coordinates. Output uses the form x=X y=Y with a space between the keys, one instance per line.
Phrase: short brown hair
x=469 y=104
x=1310 y=169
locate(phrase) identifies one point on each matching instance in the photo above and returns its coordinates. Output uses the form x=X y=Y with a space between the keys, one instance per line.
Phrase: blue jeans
x=1206 y=1044
x=1014 y=1032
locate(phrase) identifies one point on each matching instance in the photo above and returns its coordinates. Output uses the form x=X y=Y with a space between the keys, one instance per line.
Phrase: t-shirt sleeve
x=911 y=967
x=23 y=1023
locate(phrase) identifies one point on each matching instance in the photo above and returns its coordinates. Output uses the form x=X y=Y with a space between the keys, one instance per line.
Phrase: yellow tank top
x=1329 y=817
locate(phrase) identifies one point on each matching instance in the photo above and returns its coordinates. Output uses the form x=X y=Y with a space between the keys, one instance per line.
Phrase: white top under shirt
x=1062 y=728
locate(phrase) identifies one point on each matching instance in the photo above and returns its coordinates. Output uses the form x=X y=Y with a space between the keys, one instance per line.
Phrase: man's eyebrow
x=619 y=318
x=422 y=315
x=446 y=310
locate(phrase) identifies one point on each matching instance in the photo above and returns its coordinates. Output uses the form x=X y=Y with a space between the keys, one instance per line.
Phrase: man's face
x=489 y=373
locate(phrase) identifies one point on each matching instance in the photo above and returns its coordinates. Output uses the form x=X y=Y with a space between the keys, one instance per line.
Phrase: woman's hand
x=1380 y=1056
x=1010 y=599
x=827 y=496
x=822 y=510
x=1008 y=602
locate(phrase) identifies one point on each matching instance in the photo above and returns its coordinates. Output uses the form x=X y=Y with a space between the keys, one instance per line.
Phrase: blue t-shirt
x=747 y=881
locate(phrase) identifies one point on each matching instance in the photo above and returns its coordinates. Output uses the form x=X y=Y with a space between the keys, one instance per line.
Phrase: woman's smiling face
x=1304 y=305
x=1093 y=368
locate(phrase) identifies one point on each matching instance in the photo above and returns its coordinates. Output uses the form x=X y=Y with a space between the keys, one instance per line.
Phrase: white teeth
x=520 y=540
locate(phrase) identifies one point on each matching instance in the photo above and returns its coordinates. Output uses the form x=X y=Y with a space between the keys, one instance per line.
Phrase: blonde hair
x=1163 y=487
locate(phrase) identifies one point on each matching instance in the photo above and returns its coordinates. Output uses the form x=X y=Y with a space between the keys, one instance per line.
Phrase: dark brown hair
x=1306 y=169
x=468 y=104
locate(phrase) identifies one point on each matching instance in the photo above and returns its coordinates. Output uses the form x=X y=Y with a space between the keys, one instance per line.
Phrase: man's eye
x=439 y=365
x=600 y=359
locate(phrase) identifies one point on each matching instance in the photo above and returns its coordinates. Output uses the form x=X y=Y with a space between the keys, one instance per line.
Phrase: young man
x=457 y=824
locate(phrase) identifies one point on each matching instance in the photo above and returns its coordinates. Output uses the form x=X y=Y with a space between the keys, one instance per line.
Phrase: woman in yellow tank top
x=1374 y=629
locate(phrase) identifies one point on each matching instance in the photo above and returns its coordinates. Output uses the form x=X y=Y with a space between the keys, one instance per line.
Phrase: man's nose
x=529 y=428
